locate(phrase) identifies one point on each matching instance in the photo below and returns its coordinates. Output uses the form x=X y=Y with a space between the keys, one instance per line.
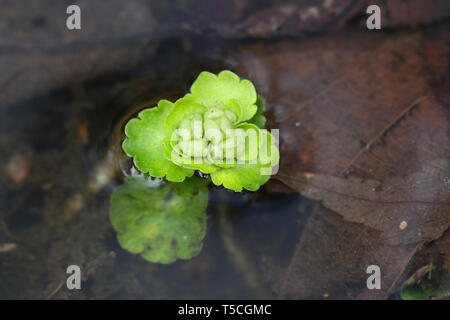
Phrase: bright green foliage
x=217 y=129
x=217 y=91
x=249 y=176
x=145 y=144
x=163 y=223
x=259 y=118
x=426 y=283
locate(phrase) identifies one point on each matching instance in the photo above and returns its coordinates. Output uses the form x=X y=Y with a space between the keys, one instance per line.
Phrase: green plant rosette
x=217 y=129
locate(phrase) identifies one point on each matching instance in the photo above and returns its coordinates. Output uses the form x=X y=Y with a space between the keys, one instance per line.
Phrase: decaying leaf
x=443 y=245
x=332 y=257
x=406 y=210
x=293 y=18
x=356 y=110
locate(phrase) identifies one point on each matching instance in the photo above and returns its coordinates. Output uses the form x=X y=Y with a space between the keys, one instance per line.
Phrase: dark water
x=65 y=139
x=72 y=133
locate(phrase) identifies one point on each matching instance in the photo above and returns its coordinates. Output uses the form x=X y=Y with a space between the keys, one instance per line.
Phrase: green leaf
x=182 y=109
x=422 y=286
x=242 y=176
x=216 y=92
x=189 y=163
x=145 y=143
x=249 y=149
x=163 y=223
x=206 y=130
x=258 y=119
x=250 y=176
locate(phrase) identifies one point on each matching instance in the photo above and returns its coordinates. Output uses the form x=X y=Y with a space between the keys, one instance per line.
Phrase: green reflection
x=163 y=222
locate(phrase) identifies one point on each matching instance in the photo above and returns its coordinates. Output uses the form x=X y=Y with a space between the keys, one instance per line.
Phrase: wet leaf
x=443 y=245
x=163 y=223
x=424 y=284
x=407 y=210
x=332 y=256
x=356 y=110
x=286 y=18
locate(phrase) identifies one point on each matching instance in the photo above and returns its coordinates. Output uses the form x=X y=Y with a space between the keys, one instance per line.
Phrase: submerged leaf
x=364 y=113
x=163 y=223
x=425 y=284
x=407 y=210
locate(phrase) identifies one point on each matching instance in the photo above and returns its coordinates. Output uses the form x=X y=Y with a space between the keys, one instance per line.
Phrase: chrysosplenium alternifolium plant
x=217 y=129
